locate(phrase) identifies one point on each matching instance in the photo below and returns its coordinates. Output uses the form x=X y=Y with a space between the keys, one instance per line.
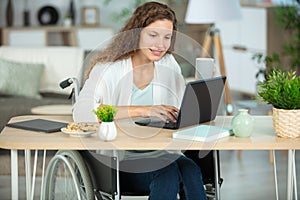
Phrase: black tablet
x=40 y=125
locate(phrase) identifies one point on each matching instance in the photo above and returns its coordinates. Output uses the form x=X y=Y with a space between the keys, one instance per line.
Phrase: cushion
x=61 y=62
x=20 y=79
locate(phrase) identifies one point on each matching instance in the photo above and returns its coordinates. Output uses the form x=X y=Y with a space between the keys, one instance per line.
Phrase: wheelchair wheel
x=67 y=177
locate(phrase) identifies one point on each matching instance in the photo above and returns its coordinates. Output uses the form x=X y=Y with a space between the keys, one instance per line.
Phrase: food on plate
x=81 y=127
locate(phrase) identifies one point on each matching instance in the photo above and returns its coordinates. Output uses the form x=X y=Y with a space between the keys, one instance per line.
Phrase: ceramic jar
x=242 y=123
x=107 y=131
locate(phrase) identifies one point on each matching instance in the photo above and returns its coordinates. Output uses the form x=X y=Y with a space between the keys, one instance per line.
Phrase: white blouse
x=112 y=83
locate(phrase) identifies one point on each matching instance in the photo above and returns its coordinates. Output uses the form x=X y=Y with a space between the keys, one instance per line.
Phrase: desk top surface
x=134 y=137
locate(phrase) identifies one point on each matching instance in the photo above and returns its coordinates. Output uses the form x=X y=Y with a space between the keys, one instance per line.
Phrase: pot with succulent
x=107 y=130
x=282 y=90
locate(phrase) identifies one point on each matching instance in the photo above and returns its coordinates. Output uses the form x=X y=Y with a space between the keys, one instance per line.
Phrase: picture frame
x=90 y=16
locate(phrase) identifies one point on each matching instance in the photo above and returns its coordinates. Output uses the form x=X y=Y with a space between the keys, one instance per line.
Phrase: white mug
x=205 y=68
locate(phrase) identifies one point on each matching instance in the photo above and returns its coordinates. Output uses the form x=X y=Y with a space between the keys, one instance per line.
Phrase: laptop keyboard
x=157 y=123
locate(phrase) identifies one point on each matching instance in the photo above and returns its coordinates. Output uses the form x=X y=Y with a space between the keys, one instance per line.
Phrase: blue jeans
x=178 y=175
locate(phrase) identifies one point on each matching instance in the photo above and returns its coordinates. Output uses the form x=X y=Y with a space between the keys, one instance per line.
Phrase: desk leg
x=34 y=175
x=216 y=165
x=116 y=155
x=294 y=174
x=291 y=160
x=14 y=175
x=275 y=174
x=43 y=175
x=28 y=173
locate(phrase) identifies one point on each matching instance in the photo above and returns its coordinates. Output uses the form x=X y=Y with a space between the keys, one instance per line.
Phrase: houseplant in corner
x=282 y=90
x=107 y=129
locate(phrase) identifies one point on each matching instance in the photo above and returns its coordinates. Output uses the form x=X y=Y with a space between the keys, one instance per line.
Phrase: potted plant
x=107 y=129
x=282 y=90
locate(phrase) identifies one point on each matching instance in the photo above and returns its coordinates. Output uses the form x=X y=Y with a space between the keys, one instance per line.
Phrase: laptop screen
x=199 y=104
x=201 y=101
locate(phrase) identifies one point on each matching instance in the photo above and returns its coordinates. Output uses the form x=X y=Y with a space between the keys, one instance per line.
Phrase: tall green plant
x=281 y=89
x=289 y=18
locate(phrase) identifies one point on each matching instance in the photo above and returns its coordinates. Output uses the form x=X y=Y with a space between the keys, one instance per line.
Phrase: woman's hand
x=164 y=112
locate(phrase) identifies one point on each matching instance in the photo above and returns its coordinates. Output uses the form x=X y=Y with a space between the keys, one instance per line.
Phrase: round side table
x=62 y=109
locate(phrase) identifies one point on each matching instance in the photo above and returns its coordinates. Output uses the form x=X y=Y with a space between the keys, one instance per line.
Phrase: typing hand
x=164 y=112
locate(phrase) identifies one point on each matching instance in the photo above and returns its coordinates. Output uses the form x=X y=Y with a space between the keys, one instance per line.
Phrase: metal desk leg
x=43 y=175
x=275 y=175
x=34 y=175
x=116 y=155
x=294 y=174
x=291 y=160
x=28 y=173
x=216 y=165
x=14 y=175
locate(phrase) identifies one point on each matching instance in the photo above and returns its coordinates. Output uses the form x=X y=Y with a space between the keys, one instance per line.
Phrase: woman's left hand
x=164 y=112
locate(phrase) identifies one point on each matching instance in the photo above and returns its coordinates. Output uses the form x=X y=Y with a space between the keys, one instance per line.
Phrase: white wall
x=105 y=12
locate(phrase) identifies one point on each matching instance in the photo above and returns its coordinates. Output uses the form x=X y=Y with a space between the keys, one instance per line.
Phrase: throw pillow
x=20 y=79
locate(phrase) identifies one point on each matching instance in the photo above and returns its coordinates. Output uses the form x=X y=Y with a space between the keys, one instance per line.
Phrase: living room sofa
x=30 y=77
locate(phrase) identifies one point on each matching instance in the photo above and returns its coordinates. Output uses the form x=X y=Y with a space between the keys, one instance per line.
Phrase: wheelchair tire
x=67 y=177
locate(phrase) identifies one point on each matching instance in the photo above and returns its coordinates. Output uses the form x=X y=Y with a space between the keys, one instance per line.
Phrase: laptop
x=200 y=104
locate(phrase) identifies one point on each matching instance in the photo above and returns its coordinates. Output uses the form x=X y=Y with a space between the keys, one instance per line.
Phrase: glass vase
x=107 y=131
x=72 y=12
x=9 y=13
x=242 y=123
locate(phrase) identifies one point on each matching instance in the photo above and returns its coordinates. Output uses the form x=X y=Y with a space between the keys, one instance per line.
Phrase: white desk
x=132 y=137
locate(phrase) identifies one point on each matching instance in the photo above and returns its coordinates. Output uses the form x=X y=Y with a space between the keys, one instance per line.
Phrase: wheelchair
x=81 y=175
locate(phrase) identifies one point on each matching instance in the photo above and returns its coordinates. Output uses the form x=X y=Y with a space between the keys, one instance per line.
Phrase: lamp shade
x=212 y=11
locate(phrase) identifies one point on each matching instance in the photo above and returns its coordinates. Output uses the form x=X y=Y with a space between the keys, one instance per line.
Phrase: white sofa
x=59 y=63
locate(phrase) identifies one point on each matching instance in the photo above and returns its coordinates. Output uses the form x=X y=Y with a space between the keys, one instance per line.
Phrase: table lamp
x=210 y=12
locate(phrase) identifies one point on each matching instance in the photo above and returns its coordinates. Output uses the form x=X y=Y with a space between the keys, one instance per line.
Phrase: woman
x=138 y=74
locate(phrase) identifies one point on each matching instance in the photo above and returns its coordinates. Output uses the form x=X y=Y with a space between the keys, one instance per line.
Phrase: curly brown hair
x=124 y=44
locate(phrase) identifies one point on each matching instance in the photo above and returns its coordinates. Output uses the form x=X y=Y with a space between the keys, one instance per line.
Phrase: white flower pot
x=67 y=22
x=107 y=131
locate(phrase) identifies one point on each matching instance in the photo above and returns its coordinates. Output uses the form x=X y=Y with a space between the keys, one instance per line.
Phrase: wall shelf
x=39 y=36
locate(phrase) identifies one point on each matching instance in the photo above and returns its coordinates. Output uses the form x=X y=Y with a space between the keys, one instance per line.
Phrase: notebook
x=202 y=133
x=200 y=104
x=40 y=125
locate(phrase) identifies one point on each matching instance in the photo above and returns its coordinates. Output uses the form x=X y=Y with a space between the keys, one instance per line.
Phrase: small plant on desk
x=282 y=90
x=105 y=114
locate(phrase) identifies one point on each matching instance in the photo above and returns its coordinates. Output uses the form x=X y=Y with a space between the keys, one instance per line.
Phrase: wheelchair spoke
x=67 y=178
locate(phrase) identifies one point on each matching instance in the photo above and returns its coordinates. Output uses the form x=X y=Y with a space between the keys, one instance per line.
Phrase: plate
x=77 y=134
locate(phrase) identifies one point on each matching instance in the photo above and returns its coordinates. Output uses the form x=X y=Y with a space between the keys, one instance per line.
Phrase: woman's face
x=155 y=40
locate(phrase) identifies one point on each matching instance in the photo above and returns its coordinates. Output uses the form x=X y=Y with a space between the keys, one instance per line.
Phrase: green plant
x=124 y=13
x=271 y=62
x=105 y=113
x=289 y=18
x=281 y=89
